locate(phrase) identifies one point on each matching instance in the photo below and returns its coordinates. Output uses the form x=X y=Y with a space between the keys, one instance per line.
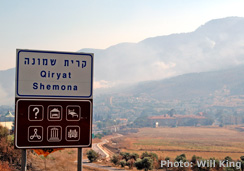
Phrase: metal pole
x=24 y=161
x=79 y=163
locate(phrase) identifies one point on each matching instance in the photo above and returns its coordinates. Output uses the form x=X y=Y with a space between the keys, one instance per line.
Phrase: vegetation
x=146 y=163
x=92 y=155
x=153 y=156
x=4 y=166
x=122 y=163
x=115 y=159
x=7 y=152
x=181 y=157
x=221 y=107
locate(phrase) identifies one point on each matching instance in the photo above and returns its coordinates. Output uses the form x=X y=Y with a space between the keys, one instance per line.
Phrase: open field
x=62 y=160
x=205 y=142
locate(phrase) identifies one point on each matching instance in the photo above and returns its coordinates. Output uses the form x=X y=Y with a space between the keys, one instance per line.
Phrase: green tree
x=172 y=112
x=229 y=159
x=126 y=156
x=139 y=164
x=98 y=136
x=195 y=167
x=122 y=163
x=182 y=158
x=242 y=163
x=92 y=155
x=115 y=159
x=153 y=156
x=3 y=131
x=167 y=158
x=164 y=167
x=130 y=163
x=146 y=163
x=99 y=125
x=134 y=156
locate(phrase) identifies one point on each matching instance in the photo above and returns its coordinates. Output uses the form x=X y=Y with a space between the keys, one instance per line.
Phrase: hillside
x=216 y=45
x=217 y=94
x=193 y=85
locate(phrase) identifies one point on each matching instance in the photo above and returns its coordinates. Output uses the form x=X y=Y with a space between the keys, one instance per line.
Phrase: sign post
x=53 y=99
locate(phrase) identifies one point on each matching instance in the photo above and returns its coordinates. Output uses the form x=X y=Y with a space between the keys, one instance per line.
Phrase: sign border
x=61 y=146
x=53 y=52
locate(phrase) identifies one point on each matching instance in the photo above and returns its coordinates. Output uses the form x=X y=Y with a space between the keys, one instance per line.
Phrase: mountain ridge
x=193 y=85
x=216 y=45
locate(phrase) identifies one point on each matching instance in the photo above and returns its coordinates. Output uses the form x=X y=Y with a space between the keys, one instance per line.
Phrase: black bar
x=24 y=160
x=79 y=162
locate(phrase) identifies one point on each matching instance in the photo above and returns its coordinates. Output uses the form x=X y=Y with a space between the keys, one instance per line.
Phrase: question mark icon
x=36 y=110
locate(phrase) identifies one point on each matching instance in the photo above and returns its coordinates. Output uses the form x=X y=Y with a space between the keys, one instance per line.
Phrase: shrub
x=115 y=159
x=130 y=163
x=92 y=155
x=139 y=164
x=242 y=158
x=146 y=163
x=181 y=157
x=122 y=163
x=7 y=151
x=153 y=156
x=167 y=158
x=99 y=136
x=4 y=166
x=228 y=158
x=3 y=131
x=134 y=156
x=125 y=156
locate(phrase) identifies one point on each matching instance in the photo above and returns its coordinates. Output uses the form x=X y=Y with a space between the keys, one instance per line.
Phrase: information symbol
x=35 y=112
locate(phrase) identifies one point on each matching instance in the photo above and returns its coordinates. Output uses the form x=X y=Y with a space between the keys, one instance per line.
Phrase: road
x=99 y=149
x=104 y=152
x=87 y=163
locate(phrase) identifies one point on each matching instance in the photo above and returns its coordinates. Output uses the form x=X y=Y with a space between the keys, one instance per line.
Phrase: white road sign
x=51 y=74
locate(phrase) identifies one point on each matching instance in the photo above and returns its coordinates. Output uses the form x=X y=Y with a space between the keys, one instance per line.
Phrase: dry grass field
x=63 y=160
x=205 y=142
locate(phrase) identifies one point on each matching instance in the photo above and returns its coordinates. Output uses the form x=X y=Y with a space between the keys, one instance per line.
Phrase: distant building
x=156 y=124
x=122 y=120
x=9 y=115
x=177 y=120
x=7 y=120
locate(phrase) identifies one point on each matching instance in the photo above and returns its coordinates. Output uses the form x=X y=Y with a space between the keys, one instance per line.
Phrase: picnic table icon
x=72 y=113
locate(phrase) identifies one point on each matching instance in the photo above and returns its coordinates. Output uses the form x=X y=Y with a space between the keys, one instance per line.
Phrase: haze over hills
x=193 y=85
x=7 y=86
x=214 y=46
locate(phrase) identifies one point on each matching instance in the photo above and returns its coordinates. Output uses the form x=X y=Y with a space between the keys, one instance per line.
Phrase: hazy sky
x=63 y=25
